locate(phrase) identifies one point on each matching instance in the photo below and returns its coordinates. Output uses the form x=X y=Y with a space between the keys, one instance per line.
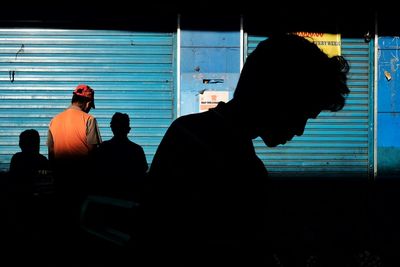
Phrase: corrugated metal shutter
x=131 y=72
x=335 y=144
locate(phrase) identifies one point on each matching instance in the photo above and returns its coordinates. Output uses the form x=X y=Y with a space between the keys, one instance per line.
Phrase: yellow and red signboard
x=327 y=42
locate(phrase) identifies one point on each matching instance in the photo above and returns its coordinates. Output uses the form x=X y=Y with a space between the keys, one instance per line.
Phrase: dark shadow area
x=332 y=223
x=210 y=21
x=204 y=15
x=335 y=223
x=117 y=15
x=350 y=21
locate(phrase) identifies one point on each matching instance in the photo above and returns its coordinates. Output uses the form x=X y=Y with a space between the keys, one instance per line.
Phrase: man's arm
x=93 y=134
x=50 y=145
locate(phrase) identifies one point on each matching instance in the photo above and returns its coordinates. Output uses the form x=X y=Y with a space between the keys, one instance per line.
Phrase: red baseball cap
x=85 y=91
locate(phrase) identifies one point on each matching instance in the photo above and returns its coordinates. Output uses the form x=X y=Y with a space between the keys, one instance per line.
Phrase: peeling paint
x=387 y=75
x=393 y=62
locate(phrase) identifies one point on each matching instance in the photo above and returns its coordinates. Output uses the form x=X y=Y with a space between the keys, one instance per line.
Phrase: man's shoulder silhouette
x=206 y=144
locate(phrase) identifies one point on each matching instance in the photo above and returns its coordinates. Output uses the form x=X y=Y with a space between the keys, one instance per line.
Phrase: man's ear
x=88 y=105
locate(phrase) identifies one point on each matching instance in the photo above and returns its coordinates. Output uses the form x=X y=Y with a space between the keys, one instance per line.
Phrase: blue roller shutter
x=335 y=144
x=131 y=72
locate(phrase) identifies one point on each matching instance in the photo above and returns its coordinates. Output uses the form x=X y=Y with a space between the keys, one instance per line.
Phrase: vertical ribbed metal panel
x=335 y=144
x=131 y=72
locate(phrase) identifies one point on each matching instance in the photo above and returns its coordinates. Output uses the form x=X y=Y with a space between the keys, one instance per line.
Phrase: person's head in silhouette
x=120 y=124
x=285 y=81
x=29 y=141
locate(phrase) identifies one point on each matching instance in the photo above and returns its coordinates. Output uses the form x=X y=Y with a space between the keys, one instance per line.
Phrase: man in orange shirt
x=73 y=135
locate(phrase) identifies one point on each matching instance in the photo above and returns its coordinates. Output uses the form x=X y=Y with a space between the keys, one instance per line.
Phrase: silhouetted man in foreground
x=207 y=200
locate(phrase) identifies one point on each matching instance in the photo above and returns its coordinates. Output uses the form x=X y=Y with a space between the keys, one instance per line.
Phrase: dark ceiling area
x=259 y=17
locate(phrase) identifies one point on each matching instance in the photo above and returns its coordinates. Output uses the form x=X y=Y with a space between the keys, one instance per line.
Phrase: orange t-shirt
x=71 y=133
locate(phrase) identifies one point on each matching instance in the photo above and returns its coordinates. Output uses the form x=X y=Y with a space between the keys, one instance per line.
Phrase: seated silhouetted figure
x=29 y=165
x=121 y=163
x=207 y=199
x=28 y=170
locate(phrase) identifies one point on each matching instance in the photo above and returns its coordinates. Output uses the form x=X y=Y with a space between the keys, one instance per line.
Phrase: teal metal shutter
x=131 y=72
x=336 y=144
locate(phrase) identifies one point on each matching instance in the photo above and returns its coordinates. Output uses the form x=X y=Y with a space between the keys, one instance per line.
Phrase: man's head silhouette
x=285 y=81
x=29 y=141
x=120 y=124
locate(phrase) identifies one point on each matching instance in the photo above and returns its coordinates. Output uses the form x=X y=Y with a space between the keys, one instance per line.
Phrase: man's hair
x=289 y=68
x=81 y=100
